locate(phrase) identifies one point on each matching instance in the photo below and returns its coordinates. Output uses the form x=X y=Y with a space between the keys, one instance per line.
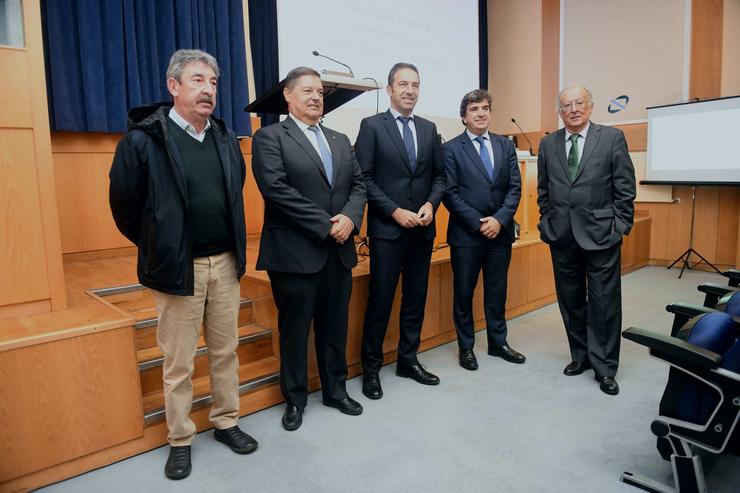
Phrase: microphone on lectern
x=316 y=53
x=524 y=134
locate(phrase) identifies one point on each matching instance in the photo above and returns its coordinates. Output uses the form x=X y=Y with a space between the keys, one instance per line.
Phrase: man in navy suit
x=401 y=161
x=483 y=190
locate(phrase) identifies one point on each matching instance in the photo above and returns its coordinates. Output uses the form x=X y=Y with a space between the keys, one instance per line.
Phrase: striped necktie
x=408 y=141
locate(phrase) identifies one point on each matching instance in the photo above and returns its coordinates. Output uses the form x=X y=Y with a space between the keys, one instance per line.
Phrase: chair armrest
x=688 y=309
x=673 y=350
x=734 y=277
x=713 y=292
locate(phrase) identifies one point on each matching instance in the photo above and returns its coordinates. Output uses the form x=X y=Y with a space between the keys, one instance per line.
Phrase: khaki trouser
x=215 y=303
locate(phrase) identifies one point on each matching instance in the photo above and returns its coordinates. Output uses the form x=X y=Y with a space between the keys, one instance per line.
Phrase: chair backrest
x=685 y=397
x=730 y=303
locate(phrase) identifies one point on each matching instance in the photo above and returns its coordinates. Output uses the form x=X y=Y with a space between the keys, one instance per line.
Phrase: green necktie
x=573 y=157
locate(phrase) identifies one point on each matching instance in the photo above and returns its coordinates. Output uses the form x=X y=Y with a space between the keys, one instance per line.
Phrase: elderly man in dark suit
x=401 y=161
x=586 y=189
x=483 y=190
x=314 y=201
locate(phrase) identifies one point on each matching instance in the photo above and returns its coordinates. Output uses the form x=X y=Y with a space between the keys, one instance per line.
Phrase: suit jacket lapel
x=498 y=157
x=469 y=149
x=592 y=139
x=392 y=127
x=295 y=132
x=560 y=150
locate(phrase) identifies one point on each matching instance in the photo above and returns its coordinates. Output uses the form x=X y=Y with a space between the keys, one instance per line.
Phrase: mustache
x=205 y=99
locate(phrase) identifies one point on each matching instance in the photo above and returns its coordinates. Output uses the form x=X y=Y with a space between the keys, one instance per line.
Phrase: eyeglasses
x=579 y=104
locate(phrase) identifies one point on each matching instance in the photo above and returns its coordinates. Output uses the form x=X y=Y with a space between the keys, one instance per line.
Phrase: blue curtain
x=264 y=43
x=483 y=43
x=103 y=58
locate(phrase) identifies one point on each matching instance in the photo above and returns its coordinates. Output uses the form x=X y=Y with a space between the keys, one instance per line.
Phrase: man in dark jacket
x=483 y=191
x=401 y=161
x=176 y=193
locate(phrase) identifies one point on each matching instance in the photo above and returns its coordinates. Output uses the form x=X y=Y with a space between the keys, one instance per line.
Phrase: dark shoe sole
x=506 y=358
x=606 y=390
x=468 y=366
x=374 y=397
x=423 y=382
x=343 y=410
x=568 y=373
x=243 y=451
x=175 y=477
x=294 y=426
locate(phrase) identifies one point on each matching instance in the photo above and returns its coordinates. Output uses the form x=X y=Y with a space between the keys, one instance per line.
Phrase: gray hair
x=182 y=58
x=575 y=86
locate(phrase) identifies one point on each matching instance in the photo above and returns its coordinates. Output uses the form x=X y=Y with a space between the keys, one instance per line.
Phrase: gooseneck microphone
x=524 y=134
x=316 y=53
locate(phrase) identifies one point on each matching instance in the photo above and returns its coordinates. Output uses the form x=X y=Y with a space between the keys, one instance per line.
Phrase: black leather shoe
x=178 y=463
x=236 y=439
x=292 y=417
x=576 y=368
x=608 y=385
x=467 y=359
x=418 y=373
x=345 y=406
x=371 y=386
x=507 y=353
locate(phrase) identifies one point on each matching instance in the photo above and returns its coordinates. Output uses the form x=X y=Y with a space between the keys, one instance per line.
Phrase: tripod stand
x=685 y=255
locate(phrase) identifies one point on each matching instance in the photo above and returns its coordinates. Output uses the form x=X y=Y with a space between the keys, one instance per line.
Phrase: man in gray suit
x=586 y=189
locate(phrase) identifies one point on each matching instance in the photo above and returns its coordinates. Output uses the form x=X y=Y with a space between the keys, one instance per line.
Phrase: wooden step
x=151 y=378
x=152 y=356
x=146 y=329
x=252 y=376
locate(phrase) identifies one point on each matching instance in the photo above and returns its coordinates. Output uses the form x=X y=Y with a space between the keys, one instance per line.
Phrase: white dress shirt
x=487 y=143
x=310 y=135
x=412 y=126
x=183 y=124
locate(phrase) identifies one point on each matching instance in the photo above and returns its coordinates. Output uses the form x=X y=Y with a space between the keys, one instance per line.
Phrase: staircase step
x=146 y=329
x=152 y=356
x=252 y=376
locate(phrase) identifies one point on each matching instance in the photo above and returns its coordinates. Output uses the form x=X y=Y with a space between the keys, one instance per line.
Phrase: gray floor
x=504 y=428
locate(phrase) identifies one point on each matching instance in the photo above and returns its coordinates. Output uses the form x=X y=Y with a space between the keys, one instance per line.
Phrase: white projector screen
x=690 y=143
x=440 y=37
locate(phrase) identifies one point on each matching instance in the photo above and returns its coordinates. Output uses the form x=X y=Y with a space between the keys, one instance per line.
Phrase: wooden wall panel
x=727 y=235
x=86 y=222
x=22 y=252
x=541 y=275
x=254 y=206
x=69 y=398
x=15 y=97
x=705 y=78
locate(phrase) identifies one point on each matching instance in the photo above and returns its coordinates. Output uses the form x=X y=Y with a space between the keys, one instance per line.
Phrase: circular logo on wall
x=618 y=104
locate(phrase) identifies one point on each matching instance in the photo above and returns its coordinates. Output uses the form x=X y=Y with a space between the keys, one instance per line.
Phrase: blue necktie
x=325 y=154
x=484 y=156
x=408 y=141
